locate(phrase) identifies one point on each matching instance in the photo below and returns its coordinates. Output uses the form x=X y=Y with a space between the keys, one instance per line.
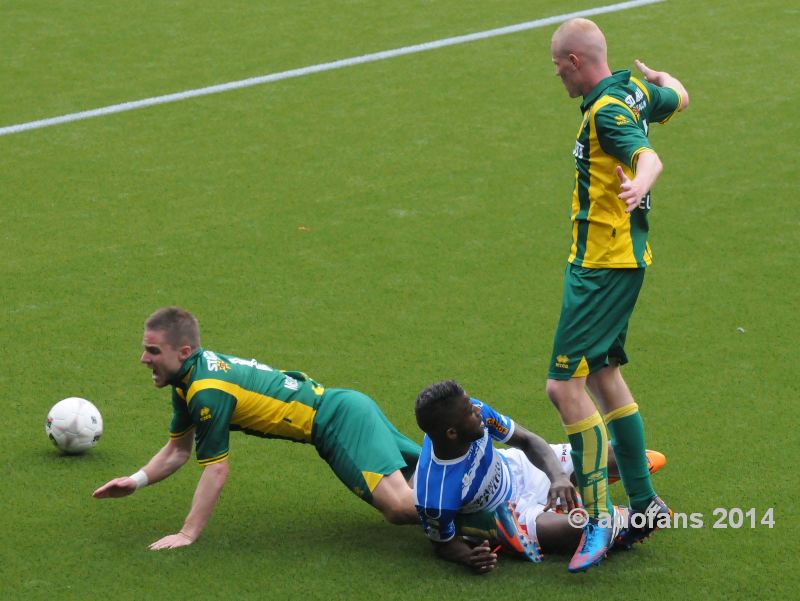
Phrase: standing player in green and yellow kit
x=213 y=394
x=615 y=168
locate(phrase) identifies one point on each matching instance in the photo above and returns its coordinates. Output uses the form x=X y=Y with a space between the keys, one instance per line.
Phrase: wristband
x=140 y=478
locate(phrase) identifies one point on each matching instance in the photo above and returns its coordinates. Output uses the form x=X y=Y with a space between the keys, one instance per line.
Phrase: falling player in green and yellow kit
x=213 y=394
x=615 y=167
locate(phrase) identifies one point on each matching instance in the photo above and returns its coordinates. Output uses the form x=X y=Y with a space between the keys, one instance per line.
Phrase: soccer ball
x=74 y=425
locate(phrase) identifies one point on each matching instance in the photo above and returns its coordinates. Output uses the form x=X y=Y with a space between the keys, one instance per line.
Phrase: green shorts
x=353 y=435
x=595 y=310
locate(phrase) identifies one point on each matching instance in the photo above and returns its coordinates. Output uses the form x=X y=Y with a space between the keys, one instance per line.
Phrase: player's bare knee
x=399 y=515
x=552 y=391
x=559 y=393
x=393 y=517
x=394 y=498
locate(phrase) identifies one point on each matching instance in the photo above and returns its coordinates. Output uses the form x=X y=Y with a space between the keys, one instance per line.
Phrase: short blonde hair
x=180 y=326
x=582 y=37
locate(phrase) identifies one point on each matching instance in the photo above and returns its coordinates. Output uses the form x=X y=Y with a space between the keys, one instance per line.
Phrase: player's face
x=161 y=358
x=470 y=422
x=568 y=72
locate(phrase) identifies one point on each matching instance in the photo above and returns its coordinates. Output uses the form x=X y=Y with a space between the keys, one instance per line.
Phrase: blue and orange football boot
x=513 y=537
x=655 y=461
x=597 y=538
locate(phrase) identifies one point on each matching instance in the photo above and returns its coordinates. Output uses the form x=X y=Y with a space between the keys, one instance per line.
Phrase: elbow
x=179 y=450
x=650 y=165
x=219 y=471
x=182 y=456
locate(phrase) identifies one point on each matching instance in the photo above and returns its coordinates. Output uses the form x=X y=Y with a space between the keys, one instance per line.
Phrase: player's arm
x=205 y=499
x=211 y=411
x=541 y=455
x=621 y=137
x=481 y=559
x=648 y=168
x=440 y=528
x=163 y=464
x=665 y=80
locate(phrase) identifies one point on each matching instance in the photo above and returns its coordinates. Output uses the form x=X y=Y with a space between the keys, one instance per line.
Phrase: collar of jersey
x=457 y=459
x=187 y=365
x=622 y=76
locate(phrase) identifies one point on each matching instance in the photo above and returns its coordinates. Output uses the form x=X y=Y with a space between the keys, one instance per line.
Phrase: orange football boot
x=655 y=461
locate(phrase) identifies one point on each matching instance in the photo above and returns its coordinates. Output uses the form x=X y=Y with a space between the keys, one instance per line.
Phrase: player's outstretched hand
x=628 y=192
x=664 y=79
x=563 y=493
x=650 y=75
x=172 y=541
x=118 y=487
x=482 y=559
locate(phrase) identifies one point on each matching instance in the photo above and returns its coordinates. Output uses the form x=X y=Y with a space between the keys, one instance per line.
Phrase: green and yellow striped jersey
x=616 y=117
x=215 y=394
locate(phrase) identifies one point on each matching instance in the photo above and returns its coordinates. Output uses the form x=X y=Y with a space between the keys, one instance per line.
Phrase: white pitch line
x=345 y=62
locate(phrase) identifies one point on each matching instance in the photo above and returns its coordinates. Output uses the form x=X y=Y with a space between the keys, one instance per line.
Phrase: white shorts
x=531 y=485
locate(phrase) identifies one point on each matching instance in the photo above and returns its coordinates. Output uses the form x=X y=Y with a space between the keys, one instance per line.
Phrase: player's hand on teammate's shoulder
x=482 y=559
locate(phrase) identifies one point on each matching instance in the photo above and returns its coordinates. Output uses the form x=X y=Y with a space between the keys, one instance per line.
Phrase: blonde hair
x=581 y=37
x=180 y=326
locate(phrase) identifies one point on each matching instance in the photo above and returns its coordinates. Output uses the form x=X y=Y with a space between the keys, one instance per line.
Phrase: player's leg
x=556 y=534
x=613 y=468
x=626 y=427
x=409 y=450
x=589 y=441
x=552 y=532
x=596 y=306
x=655 y=461
x=626 y=430
x=530 y=490
x=360 y=445
x=394 y=498
x=575 y=352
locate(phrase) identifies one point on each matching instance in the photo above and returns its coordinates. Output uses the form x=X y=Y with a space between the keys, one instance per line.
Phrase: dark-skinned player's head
x=445 y=413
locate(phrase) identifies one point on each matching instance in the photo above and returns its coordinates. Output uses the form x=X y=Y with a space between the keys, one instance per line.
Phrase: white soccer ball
x=74 y=425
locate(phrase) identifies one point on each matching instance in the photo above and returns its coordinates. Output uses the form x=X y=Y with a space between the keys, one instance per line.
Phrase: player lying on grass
x=460 y=472
x=213 y=394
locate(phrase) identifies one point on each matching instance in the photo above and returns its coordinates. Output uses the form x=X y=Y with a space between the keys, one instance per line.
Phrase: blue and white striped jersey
x=478 y=480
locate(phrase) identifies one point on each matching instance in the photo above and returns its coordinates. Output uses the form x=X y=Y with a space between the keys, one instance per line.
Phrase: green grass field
x=381 y=226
